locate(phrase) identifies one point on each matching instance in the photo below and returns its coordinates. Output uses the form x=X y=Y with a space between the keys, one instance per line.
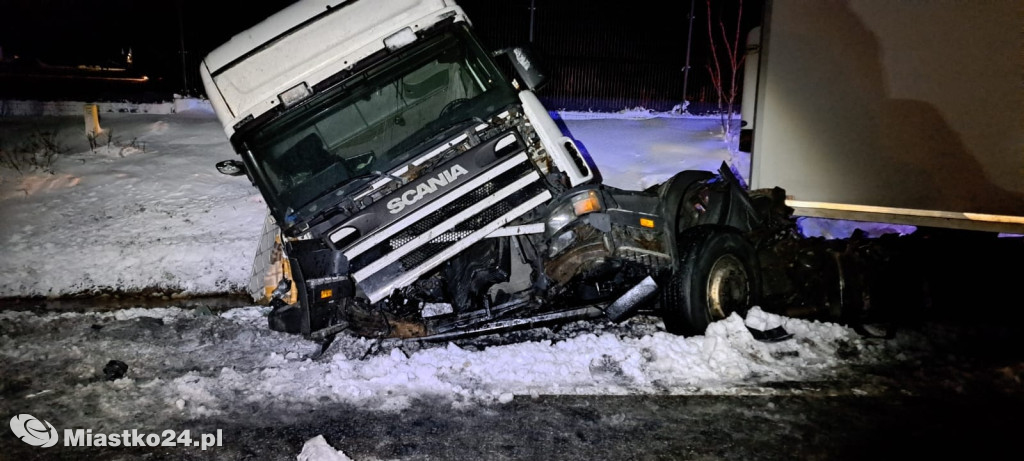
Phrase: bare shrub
x=115 y=143
x=725 y=52
x=38 y=153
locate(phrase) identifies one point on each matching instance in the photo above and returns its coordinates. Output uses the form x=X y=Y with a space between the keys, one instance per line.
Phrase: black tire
x=717 y=274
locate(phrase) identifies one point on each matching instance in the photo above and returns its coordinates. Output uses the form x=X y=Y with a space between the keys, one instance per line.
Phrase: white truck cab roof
x=304 y=44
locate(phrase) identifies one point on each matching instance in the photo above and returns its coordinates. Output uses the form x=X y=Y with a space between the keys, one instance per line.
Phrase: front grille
x=468 y=226
x=458 y=205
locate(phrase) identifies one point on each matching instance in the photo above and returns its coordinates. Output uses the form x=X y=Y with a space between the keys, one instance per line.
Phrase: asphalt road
x=939 y=425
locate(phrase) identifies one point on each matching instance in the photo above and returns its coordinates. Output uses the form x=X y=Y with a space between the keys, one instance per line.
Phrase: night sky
x=77 y=30
x=650 y=36
x=98 y=32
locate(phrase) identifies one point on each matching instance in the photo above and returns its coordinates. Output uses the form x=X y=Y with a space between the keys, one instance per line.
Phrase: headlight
x=578 y=205
x=560 y=243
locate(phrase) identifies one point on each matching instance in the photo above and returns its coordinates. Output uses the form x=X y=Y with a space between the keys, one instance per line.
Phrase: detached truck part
x=421 y=193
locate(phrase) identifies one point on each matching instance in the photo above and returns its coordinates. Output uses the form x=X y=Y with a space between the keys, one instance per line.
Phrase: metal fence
x=601 y=56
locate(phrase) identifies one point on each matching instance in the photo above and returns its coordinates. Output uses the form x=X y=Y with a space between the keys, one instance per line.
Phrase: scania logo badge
x=426 y=188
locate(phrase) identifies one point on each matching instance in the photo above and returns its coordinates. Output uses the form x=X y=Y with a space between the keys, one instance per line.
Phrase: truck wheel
x=717 y=274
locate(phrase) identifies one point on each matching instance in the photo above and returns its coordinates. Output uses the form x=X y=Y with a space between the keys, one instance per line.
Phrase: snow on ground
x=636 y=150
x=185 y=365
x=144 y=210
x=840 y=229
x=147 y=211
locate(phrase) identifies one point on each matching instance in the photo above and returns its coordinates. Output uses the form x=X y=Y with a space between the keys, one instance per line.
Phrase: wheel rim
x=728 y=287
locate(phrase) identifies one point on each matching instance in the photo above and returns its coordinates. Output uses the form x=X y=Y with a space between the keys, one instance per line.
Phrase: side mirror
x=231 y=167
x=527 y=66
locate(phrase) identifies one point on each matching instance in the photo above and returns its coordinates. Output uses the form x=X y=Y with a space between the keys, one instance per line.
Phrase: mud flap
x=286 y=318
x=630 y=301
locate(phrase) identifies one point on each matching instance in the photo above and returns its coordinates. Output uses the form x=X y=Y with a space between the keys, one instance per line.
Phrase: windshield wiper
x=343 y=188
x=356 y=183
x=349 y=187
x=412 y=142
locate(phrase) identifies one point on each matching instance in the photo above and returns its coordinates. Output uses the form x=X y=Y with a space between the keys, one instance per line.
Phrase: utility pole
x=689 y=41
x=533 y=7
x=184 y=61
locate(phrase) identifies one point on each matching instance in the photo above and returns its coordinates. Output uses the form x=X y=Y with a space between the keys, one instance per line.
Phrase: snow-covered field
x=147 y=211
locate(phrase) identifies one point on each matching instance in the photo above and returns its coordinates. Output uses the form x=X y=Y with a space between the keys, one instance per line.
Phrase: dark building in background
x=602 y=55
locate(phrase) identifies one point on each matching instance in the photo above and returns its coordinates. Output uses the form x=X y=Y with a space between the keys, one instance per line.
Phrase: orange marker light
x=586 y=204
x=646 y=222
x=324 y=294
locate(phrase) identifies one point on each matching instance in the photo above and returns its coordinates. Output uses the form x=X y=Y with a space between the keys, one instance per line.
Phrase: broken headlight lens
x=578 y=205
x=563 y=241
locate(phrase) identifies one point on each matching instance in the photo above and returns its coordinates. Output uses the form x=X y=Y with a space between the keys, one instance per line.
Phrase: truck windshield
x=374 y=120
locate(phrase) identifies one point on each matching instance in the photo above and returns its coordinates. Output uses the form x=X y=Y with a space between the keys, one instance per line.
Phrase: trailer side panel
x=904 y=111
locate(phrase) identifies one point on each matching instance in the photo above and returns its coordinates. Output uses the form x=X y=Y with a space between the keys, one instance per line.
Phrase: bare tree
x=732 y=58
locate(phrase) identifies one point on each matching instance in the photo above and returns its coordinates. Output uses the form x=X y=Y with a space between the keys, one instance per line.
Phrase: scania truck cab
x=420 y=192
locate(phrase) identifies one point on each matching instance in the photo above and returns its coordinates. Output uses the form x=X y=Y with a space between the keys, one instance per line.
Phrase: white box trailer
x=896 y=111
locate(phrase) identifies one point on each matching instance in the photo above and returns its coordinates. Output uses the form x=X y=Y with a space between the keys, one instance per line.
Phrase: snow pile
x=317 y=449
x=182 y=364
x=727 y=360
